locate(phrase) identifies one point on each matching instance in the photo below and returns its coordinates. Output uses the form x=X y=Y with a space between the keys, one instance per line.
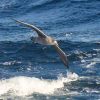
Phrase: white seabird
x=42 y=38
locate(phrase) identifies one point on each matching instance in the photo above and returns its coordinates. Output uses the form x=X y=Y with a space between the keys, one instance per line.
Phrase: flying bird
x=44 y=39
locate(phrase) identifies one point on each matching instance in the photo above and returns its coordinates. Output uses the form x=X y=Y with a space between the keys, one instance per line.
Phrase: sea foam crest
x=23 y=85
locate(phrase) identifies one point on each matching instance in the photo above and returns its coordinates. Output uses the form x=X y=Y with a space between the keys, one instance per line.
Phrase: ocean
x=30 y=71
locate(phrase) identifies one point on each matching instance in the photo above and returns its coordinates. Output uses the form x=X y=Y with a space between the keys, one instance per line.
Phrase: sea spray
x=23 y=85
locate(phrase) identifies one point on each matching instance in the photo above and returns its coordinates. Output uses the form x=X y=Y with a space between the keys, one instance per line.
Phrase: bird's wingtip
x=16 y=20
x=13 y=19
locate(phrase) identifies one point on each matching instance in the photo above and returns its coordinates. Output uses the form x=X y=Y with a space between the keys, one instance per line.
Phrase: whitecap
x=8 y=63
x=22 y=85
x=91 y=65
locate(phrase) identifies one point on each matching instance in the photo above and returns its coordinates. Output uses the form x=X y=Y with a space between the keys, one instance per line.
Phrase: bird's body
x=46 y=40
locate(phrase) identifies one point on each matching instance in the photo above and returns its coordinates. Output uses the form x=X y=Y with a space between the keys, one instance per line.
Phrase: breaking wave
x=23 y=85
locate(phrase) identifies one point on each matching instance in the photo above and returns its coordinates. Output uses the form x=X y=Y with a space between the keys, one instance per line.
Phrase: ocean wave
x=25 y=49
x=10 y=63
x=23 y=64
x=20 y=85
x=5 y=4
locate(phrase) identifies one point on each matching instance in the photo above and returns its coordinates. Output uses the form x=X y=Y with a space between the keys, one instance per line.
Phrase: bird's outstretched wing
x=39 y=32
x=62 y=55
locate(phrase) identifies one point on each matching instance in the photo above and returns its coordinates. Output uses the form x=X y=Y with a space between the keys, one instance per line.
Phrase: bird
x=44 y=39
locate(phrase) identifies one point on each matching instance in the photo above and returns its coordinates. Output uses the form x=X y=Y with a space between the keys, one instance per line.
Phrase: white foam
x=10 y=63
x=91 y=65
x=72 y=76
x=89 y=90
x=22 y=85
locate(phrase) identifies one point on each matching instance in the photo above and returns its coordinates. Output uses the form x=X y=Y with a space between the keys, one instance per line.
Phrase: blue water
x=31 y=71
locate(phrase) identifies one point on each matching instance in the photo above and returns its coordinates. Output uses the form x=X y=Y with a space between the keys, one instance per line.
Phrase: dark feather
x=62 y=55
x=39 y=32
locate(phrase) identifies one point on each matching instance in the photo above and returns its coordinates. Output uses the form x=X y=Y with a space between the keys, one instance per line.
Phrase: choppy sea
x=31 y=71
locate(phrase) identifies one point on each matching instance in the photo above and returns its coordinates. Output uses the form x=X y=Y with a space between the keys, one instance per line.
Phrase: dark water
x=34 y=72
